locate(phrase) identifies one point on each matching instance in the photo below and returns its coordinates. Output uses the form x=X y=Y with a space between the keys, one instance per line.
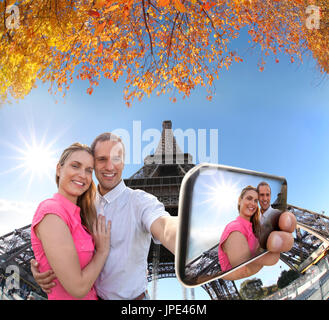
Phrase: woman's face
x=75 y=176
x=248 y=204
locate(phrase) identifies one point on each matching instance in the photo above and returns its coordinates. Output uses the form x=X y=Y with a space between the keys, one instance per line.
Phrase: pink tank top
x=245 y=227
x=83 y=241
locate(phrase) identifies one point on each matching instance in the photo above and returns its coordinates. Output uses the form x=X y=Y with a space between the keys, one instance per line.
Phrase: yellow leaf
x=116 y=6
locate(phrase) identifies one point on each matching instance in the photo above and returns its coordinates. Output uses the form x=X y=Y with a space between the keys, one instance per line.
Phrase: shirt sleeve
x=150 y=209
x=231 y=227
x=49 y=207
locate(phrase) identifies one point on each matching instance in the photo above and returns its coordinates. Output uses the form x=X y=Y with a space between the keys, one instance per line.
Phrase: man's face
x=109 y=164
x=264 y=197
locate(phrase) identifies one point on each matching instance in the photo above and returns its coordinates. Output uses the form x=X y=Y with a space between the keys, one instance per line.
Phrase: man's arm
x=164 y=229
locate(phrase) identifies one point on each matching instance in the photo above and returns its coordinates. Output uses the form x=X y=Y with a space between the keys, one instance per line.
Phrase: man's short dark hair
x=105 y=137
x=263 y=183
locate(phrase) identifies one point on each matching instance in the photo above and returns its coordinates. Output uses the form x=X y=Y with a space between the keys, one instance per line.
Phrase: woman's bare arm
x=62 y=256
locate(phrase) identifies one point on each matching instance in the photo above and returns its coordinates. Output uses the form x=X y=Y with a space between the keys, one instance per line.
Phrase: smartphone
x=225 y=217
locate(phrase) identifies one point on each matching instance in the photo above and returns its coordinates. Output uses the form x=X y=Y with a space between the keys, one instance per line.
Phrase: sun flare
x=35 y=159
x=221 y=194
x=38 y=160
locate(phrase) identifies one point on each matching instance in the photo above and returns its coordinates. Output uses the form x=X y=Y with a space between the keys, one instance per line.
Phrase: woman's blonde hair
x=86 y=201
x=255 y=217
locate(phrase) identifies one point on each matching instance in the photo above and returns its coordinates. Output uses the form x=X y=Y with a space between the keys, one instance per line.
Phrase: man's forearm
x=170 y=234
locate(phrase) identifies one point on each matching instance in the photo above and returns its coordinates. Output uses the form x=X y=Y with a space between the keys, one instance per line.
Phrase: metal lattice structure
x=161 y=176
x=16 y=250
x=204 y=267
x=311 y=239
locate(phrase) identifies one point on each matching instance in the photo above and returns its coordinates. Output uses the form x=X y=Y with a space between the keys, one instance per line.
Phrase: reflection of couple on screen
x=238 y=241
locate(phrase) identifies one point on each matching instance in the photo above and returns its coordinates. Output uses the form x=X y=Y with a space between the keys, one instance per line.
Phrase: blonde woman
x=65 y=229
x=238 y=242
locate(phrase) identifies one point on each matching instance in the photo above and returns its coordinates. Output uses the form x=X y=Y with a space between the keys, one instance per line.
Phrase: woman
x=238 y=242
x=65 y=229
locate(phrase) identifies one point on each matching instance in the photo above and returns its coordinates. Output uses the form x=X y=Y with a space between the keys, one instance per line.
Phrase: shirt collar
x=114 y=193
x=72 y=208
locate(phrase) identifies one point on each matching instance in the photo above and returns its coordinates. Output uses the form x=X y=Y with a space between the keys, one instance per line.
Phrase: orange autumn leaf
x=94 y=13
x=100 y=27
x=100 y=4
x=208 y=5
x=163 y=3
x=179 y=6
x=109 y=3
x=126 y=11
x=100 y=48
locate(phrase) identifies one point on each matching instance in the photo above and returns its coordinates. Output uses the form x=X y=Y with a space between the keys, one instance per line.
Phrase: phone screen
x=226 y=215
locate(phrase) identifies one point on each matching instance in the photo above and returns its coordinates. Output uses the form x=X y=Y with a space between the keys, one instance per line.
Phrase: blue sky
x=275 y=121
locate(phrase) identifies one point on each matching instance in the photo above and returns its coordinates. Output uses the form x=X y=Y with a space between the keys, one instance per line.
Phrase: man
x=136 y=216
x=269 y=218
x=264 y=196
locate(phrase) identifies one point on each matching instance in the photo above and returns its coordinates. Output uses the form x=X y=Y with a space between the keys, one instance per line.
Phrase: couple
x=240 y=240
x=65 y=229
x=79 y=257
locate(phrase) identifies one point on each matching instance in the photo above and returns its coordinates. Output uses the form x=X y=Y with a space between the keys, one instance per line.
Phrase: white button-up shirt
x=132 y=213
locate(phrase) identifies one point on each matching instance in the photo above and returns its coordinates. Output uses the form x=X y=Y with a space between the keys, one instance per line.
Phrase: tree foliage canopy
x=286 y=277
x=161 y=46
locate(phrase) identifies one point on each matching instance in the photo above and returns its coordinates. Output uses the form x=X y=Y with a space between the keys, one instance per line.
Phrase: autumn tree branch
x=148 y=30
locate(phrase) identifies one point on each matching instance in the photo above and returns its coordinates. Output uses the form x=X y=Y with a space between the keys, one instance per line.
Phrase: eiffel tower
x=161 y=176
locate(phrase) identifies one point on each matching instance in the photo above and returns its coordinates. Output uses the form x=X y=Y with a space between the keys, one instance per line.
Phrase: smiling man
x=264 y=196
x=137 y=217
x=109 y=161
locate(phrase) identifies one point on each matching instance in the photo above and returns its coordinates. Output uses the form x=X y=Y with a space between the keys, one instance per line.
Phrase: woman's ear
x=58 y=169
